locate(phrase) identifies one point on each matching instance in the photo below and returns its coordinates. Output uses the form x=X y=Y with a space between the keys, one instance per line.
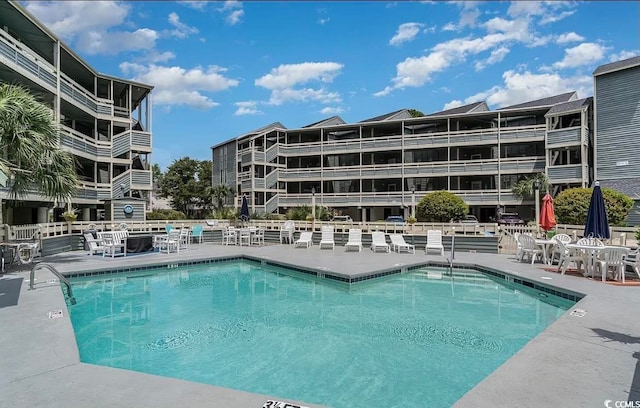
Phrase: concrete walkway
x=577 y=361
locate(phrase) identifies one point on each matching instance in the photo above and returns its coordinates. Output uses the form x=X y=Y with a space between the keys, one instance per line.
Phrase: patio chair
x=589 y=241
x=378 y=241
x=326 y=239
x=305 y=240
x=611 y=258
x=229 y=236
x=399 y=244
x=566 y=256
x=94 y=244
x=184 y=238
x=633 y=260
x=257 y=238
x=529 y=248
x=518 y=245
x=244 y=237
x=170 y=242
x=355 y=240
x=565 y=239
x=112 y=244
x=286 y=232
x=196 y=233
x=168 y=228
x=434 y=242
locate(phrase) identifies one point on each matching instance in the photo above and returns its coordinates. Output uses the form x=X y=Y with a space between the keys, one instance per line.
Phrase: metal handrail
x=53 y=270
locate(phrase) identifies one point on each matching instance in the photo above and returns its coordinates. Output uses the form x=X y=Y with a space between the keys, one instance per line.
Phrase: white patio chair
x=257 y=238
x=244 y=237
x=94 y=244
x=112 y=244
x=611 y=258
x=568 y=255
x=229 y=236
x=590 y=241
x=565 y=239
x=170 y=242
x=399 y=244
x=326 y=239
x=633 y=260
x=518 y=245
x=434 y=242
x=529 y=248
x=305 y=240
x=378 y=241
x=286 y=232
x=184 y=238
x=355 y=240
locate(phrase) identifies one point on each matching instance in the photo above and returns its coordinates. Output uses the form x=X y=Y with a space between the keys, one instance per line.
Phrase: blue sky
x=221 y=69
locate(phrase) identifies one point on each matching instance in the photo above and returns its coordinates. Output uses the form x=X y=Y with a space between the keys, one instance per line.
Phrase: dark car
x=509 y=219
x=398 y=219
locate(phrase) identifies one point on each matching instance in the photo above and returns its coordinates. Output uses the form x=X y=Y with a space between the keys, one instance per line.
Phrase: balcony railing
x=22 y=57
x=131 y=140
x=564 y=137
x=130 y=180
x=81 y=143
x=523 y=165
x=567 y=172
x=522 y=133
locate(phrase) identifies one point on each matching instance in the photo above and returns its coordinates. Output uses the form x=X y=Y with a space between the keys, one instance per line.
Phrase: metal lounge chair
x=326 y=240
x=399 y=244
x=355 y=240
x=305 y=240
x=379 y=242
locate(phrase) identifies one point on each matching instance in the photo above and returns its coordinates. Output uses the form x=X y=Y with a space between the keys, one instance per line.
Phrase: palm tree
x=30 y=153
x=526 y=188
x=220 y=193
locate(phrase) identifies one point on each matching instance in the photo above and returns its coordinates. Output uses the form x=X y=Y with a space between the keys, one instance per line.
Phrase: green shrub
x=441 y=206
x=572 y=205
x=165 y=214
x=638 y=235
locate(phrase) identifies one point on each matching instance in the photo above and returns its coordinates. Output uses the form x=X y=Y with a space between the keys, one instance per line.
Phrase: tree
x=572 y=205
x=187 y=182
x=441 y=206
x=526 y=188
x=220 y=194
x=415 y=113
x=31 y=154
x=157 y=174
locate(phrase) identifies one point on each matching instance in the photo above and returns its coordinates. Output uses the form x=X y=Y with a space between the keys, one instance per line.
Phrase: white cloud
x=323 y=21
x=233 y=10
x=88 y=25
x=496 y=56
x=406 y=32
x=526 y=86
x=282 y=80
x=179 y=86
x=453 y=104
x=583 y=54
x=197 y=5
x=329 y=110
x=449 y=27
x=247 y=108
x=288 y=75
x=624 y=54
x=469 y=14
x=552 y=18
x=568 y=38
x=181 y=30
x=524 y=8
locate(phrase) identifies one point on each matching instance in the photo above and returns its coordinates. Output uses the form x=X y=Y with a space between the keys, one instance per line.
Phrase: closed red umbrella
x=547 y=215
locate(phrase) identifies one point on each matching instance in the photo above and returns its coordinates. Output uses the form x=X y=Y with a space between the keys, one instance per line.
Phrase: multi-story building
x=382 y=166
x=616 y=93
x=105 y=121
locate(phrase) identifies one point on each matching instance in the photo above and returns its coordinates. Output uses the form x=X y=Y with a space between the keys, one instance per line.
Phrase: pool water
x=418 y=339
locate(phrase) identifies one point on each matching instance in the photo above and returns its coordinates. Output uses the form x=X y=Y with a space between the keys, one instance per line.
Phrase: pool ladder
x=53 y=270
x=452 y=256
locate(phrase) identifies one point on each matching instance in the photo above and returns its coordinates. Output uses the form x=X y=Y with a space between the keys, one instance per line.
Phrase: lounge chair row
x=378 y=241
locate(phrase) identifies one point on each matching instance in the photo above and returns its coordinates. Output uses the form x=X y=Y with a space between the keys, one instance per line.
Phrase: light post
x=313 y=206
x=413 y=201
x=536 y=187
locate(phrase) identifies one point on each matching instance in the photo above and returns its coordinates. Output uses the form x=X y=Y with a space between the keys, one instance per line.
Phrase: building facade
x=616 y=91
x=105 y=122
x=384 y=165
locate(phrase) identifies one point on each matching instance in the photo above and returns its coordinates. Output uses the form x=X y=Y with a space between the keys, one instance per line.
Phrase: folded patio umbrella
x=547 y=215
x=597 y=225
x=244 y=210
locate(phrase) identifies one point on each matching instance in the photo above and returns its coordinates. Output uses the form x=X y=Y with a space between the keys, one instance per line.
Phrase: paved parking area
x=577 y=361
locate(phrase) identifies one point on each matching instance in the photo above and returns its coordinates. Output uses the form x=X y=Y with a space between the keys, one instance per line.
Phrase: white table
x=545 y=245
x=592 y=251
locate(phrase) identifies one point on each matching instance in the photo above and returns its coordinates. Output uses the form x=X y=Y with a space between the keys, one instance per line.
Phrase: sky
x=224 y=68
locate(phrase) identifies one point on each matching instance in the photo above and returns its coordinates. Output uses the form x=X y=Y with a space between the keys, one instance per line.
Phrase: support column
x=86 y=214
x=363 y=215
x=43 y=215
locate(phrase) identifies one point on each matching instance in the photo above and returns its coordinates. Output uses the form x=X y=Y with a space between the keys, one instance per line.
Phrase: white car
x=342 y=218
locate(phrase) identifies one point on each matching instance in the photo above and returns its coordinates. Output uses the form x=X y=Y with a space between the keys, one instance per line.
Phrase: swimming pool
x=411 y=340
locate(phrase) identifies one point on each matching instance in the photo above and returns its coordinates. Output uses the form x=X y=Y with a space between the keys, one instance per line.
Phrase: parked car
x=510 y=219
x=342 y=218
x=397 y=219
x=467 y=219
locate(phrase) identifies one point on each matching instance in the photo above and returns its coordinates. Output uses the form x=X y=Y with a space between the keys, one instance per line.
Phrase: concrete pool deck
x=577 y=361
